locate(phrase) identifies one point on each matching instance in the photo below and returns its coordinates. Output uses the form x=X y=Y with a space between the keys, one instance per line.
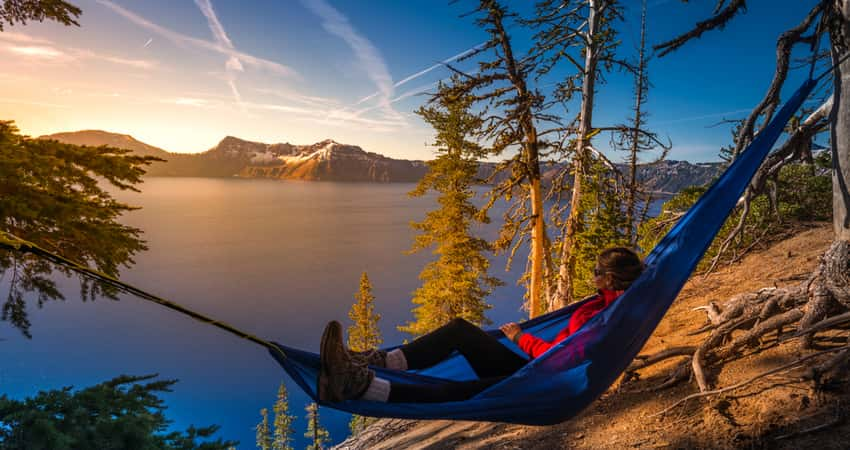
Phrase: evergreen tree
x=606 y=224
x=282 y=421
x=50 y=194
x=18 y=11
x=636 y=141
x=264 y=440
x=359 y=423
x=515 y=112
x=315 y=432
x=457 y=283
x=123 y=413
x=364 y=335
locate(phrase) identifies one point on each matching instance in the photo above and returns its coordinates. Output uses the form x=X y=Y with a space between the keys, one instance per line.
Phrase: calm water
x=278 y=259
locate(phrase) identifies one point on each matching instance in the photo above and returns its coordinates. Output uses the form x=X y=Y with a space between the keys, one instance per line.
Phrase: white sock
x=378 y=390
x=396 y=360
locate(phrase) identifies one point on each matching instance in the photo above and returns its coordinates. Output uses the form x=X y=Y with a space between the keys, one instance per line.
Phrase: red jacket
x=534 y=346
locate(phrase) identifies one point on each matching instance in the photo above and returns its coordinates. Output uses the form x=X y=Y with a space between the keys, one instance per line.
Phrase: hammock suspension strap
x=12 y=242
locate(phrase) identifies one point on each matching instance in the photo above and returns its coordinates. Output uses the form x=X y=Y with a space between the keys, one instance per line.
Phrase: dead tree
x=578 y=33
x=581 y=35
x=792 y=315
x=513 y=114
x=636 y=141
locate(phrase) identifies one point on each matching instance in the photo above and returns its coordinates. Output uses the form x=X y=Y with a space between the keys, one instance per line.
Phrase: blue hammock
x=569 y=376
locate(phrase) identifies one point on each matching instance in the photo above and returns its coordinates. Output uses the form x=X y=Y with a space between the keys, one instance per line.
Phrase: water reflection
x=277 y=259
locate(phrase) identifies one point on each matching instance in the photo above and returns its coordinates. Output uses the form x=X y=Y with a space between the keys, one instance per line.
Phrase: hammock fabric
x=568 y=377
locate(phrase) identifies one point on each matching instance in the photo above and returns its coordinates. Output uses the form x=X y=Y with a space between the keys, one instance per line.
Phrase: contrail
x=337 y=24
x=233 y=64
x=425 y=71
x=181 y=39
x=148 y=43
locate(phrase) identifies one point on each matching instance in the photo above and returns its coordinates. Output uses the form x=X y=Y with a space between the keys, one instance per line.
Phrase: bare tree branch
x=718 y=21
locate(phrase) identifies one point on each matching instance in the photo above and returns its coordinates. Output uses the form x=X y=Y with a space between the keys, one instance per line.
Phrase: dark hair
x=622 y=263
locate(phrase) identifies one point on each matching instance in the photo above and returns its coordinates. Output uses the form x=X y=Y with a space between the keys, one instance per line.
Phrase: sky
x=182 y=75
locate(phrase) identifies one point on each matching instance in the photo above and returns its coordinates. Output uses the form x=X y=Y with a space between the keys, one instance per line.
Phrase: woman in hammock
x=345 y=374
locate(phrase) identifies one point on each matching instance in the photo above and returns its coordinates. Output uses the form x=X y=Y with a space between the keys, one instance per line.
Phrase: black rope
x=12 y=242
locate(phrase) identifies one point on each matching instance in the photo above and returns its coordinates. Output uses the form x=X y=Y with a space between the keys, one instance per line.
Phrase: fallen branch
x=782 y=368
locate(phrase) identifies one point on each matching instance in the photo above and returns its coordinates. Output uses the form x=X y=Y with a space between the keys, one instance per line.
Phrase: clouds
x=370 y=59
x=203 y=80
x=37 y=52
x=704 y=116
x=22 y=38
x=292 y=103
x=189 y=101
x=42 y=50
x=319 y=112
x=215 y=25
x=14 y=101
x=442 y=63
x=233 y=65
x=419 y=74
x=335 y=23
x=184 y=40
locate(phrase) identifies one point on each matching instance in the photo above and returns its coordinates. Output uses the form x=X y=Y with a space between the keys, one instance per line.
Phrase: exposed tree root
x=644 y=361
x=751 y=322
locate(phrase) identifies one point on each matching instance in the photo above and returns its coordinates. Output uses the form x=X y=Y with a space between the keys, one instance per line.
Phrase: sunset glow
x=181 y=76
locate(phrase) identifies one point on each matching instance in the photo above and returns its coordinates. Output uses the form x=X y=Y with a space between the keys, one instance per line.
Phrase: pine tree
x=359 y=423
x=457 y=283
x=606 y=224
x=12 y=12
x=516 y=112
x=51 y=194
x=282 y=439
x=264 y=440
x=125 y=412
x=364 y=334
x=315 y=432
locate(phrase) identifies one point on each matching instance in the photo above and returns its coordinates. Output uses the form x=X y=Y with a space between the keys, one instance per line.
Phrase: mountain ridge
x=329 y=160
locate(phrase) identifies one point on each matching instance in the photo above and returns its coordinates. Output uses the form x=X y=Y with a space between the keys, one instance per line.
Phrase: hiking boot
x=374 y=358
x=340 y=378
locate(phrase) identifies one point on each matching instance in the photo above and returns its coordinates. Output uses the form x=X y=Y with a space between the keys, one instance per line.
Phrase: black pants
x=490 y=360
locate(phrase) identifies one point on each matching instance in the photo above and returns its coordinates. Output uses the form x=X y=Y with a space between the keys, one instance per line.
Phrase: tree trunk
x=535 y=288
x=640 y=82
x=840 y=124
x=532 y=160
x=564 y=294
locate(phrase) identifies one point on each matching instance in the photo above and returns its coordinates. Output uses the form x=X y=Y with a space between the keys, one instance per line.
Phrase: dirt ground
x=773 y=412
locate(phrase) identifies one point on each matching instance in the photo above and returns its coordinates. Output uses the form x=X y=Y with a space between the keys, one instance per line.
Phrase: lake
x=278 y=259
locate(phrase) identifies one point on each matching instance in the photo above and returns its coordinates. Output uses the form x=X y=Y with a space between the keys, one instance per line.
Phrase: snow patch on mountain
x=263 y=158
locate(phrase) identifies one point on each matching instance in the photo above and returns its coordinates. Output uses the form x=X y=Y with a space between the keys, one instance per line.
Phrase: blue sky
x=183 y=74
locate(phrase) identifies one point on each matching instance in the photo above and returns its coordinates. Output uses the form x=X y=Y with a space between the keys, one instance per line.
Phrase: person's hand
x=511 y=330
